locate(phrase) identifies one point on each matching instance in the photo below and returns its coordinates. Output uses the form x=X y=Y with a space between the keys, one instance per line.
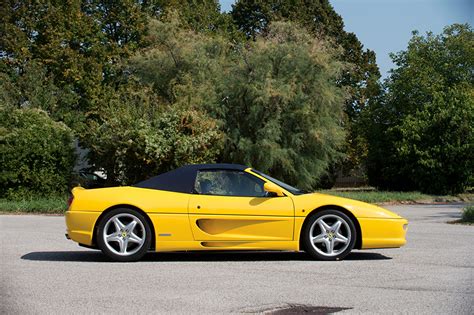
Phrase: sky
x=385 y=26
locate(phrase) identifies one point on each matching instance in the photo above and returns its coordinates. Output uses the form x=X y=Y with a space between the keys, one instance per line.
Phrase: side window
x=228 y=183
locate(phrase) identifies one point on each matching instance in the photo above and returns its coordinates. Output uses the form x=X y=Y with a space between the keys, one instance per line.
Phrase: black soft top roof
x=182 y=179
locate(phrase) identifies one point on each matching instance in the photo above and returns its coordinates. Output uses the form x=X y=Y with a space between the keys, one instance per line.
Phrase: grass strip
x=374 y=196
x=53 y=204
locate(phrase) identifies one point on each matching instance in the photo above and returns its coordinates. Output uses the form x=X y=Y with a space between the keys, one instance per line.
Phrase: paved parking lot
x=42 y=272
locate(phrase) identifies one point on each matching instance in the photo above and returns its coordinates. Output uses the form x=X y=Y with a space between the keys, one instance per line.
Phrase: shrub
x=36 y=153
x=468 y=214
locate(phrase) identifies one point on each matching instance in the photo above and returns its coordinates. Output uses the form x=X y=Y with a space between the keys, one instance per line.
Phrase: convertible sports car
x=225 y=207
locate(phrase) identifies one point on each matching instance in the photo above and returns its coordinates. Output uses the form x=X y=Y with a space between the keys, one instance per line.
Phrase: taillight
x=69 y=201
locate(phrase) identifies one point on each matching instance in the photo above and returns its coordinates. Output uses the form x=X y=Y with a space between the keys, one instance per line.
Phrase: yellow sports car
x=225 y=207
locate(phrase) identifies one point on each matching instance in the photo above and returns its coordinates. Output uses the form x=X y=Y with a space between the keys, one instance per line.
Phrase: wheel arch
x=358 y=242
x=127 y=206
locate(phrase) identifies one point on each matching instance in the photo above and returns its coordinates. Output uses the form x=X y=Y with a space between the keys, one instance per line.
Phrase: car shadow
x=97 y=256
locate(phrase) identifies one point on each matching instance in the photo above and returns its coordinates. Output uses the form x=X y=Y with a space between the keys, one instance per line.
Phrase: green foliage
x=468 y=214
x=34 y=88
x=421 y=132
x=254 y=16
x=122 y=23
x=360 y=80
x=134 y=136
x=201 y=16
x=74 y=44
x=282 y=106
x=37 y=155
x=275 y=99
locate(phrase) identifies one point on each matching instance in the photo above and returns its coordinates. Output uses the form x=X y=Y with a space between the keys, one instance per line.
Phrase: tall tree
x=275 y=99
x=318 y=16
x=76 y=42
x=420 y=133
x=282 y=106
x=198 y=15
x=123 y=22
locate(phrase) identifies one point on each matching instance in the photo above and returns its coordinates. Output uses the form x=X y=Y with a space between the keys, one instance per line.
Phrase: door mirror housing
x=272 y=188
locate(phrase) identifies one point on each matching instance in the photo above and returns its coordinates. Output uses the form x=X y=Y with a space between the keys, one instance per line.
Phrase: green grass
x=54 y=204
x=374 y=196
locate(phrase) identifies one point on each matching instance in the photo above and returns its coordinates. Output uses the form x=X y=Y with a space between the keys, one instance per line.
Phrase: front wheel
x=329 y=235
x=124 y=235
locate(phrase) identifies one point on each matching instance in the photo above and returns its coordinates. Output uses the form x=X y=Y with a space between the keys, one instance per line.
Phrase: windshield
x=291 y=189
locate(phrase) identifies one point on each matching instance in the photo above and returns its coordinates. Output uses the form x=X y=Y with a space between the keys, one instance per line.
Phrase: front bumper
x=383 y=233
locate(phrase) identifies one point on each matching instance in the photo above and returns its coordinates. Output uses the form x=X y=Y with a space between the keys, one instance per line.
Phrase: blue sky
x=385 y=25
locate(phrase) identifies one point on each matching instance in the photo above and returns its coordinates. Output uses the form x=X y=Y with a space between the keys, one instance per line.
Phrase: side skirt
x=226 y=245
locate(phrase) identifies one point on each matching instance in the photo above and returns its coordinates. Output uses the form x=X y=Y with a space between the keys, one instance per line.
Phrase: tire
x=329 y=235
x=124 y=235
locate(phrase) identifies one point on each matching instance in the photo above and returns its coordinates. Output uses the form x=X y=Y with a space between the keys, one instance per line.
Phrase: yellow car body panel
x=219 y=218
x=80 y=225
x=307 y=202
x=382 y=233
x=186 y=221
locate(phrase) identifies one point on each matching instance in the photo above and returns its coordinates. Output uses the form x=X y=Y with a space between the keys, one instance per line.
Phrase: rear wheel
x=329 y=235
x=124 y=235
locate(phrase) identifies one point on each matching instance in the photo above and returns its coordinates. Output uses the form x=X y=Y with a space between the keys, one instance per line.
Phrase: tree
x=275 y=99
x=75 y=43
x=67 y=59
x=201 y=16
x=122 y=22
x=283 y=110
x=33 y=87
x=421 y=130
x=253 y=17
x=361 y=80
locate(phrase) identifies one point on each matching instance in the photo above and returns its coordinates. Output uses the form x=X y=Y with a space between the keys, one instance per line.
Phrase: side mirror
x=272 y=188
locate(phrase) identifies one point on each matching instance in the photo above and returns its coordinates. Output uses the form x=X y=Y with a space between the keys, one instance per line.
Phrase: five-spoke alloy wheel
x=124 y=235
x=329 y=235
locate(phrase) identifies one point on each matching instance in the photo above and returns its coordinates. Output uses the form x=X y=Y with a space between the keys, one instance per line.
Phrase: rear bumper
x=383 y=233
x=80 y=226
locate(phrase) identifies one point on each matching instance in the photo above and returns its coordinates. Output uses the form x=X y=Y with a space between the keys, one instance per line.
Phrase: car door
x=230 y=205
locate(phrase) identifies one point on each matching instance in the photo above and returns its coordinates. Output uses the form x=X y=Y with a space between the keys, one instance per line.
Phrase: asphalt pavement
x=42 y=272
